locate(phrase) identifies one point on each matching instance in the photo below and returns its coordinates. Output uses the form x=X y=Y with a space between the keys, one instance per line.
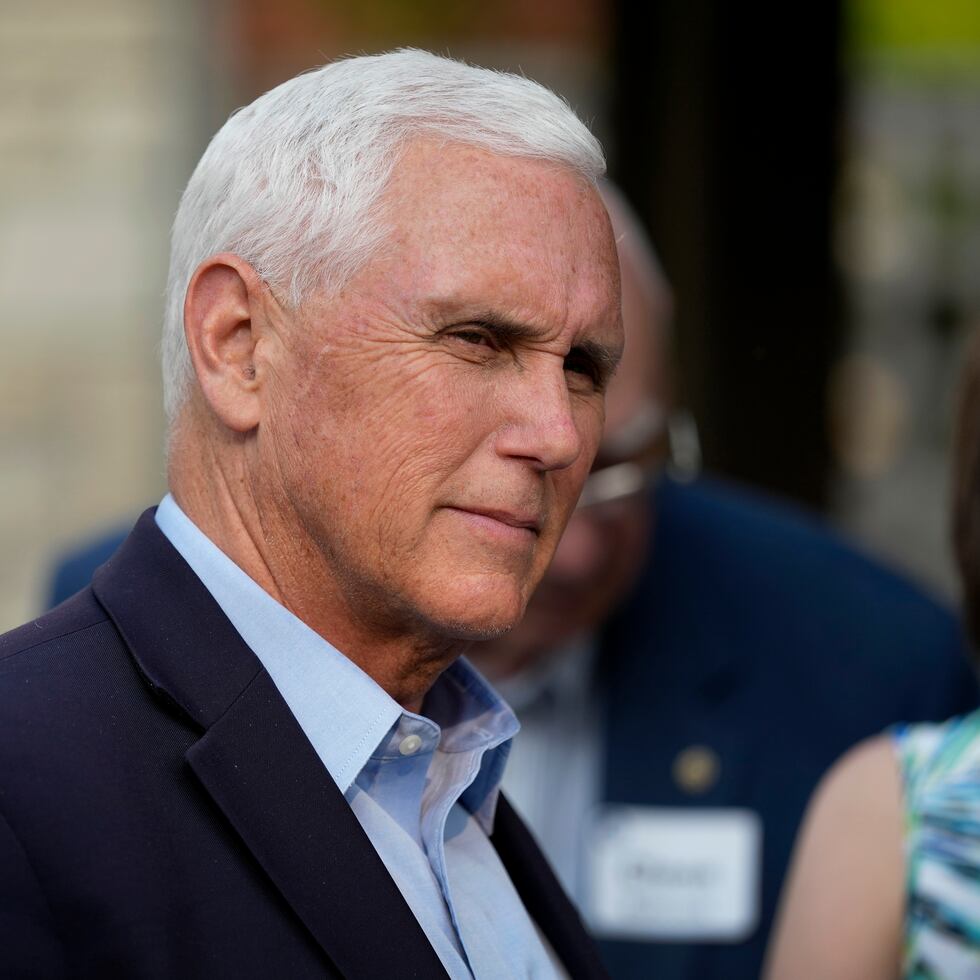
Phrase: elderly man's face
x=431 y=426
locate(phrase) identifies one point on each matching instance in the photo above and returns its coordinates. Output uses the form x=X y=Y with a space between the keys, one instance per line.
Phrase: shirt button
x=409 y=745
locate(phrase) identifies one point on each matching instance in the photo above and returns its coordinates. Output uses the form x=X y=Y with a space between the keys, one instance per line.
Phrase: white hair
x=292 y=182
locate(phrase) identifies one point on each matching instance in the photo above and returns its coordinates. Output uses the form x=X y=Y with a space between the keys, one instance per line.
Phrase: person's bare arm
x=841 y=914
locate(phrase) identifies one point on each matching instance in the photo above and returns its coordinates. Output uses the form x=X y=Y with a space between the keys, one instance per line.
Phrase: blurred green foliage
x=917 y=36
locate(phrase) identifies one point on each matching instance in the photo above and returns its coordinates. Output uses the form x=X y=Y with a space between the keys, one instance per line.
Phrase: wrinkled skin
x=422 y=437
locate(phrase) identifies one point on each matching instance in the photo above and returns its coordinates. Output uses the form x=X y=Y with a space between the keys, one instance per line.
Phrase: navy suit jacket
x=162 y=814
x=755 y=632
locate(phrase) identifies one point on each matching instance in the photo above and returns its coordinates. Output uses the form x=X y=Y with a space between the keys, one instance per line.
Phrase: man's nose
x=542 y=427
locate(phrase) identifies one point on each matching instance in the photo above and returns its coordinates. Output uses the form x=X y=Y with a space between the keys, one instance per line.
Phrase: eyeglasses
x=639 y=441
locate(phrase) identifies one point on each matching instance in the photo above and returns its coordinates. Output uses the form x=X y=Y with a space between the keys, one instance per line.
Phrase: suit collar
x=182 y=643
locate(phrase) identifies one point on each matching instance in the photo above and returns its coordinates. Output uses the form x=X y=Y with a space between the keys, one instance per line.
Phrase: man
x=692 y=662
x=249 y=749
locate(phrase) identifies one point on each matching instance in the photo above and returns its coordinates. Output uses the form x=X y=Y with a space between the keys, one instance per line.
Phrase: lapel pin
x=696 y=769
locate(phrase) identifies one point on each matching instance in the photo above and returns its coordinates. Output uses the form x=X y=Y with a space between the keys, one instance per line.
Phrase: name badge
x=671 y=873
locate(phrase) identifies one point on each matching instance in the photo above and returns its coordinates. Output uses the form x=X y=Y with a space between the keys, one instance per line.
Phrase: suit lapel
x=256 y=763
x=265 y=776
x=543 y=897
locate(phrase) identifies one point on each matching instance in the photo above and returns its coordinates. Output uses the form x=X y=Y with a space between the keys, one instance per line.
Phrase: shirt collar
x=345 y=714
x=474 y=718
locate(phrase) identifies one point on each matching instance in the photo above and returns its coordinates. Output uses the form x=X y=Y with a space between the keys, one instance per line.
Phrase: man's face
x=428 y=430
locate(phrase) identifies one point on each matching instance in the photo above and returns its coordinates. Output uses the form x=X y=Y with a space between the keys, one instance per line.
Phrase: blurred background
x=810 y=176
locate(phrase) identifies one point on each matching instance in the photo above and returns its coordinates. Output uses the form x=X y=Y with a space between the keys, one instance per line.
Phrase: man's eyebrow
x=503 y=327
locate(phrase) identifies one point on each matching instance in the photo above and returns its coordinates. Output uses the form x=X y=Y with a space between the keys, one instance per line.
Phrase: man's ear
x=222 y=313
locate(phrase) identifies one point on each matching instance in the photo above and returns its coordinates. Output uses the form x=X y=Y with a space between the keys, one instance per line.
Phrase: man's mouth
x=522 y=522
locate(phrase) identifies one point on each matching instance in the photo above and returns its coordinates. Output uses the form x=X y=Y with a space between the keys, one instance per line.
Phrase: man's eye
x=583 y=366
x=476 y=337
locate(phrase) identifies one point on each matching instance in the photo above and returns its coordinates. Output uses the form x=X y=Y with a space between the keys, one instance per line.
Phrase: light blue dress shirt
x=424 y=788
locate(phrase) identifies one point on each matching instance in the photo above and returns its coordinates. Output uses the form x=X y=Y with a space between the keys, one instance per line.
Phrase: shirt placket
x=458 y=770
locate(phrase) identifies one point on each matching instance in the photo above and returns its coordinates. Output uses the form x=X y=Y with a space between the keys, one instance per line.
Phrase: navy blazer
x=757 y=633
x=162 y=813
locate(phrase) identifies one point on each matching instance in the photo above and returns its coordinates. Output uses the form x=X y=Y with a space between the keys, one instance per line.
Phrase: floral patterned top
x=941 y=773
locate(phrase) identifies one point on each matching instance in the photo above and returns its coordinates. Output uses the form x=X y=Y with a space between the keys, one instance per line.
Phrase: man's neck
x=403 y=659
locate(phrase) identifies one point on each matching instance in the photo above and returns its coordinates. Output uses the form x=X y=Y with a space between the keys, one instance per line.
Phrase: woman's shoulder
x=842 y=910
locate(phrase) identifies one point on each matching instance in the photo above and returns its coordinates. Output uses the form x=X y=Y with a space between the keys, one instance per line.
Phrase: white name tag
x=672 y=873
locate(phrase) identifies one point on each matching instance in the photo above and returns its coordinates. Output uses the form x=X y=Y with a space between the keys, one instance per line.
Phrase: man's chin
x=468 y=607
x=475 y=621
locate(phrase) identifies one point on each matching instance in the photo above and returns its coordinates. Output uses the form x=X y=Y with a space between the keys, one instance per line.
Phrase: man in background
x=693 y=661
